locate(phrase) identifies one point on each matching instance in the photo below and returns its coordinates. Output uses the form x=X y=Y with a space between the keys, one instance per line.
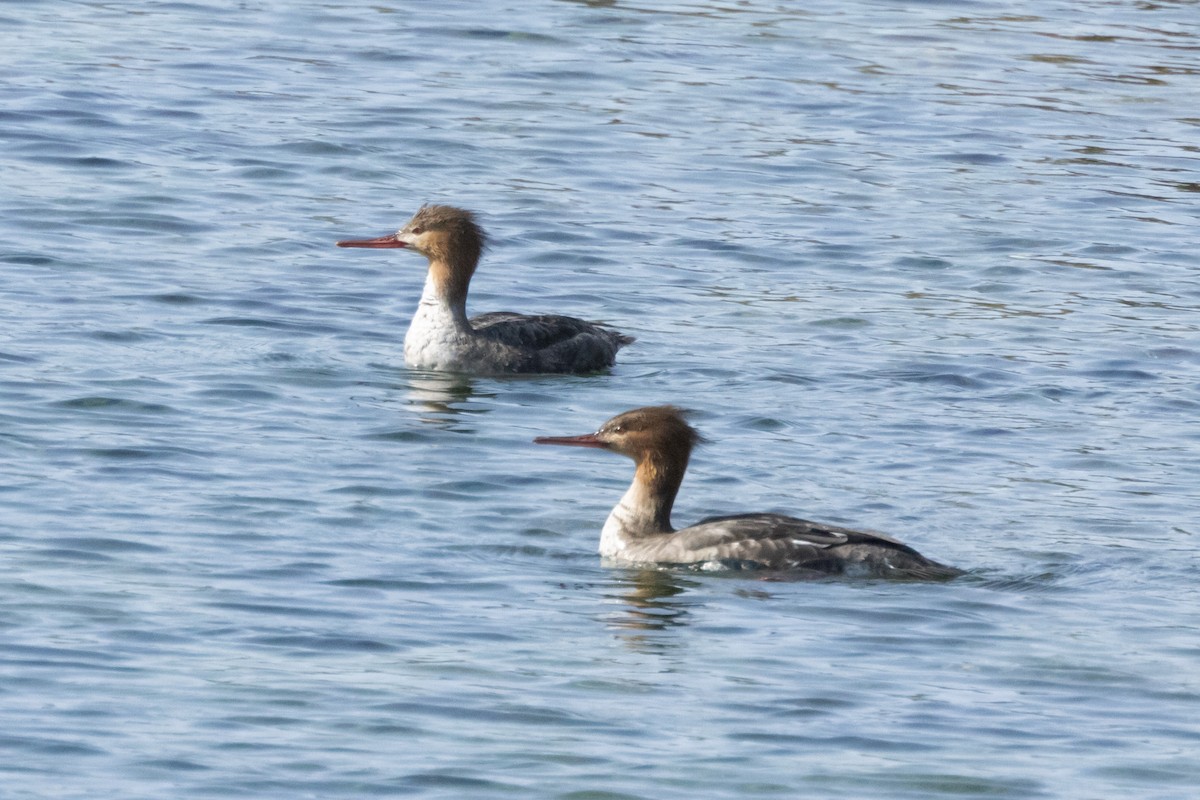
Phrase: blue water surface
x=927 y=268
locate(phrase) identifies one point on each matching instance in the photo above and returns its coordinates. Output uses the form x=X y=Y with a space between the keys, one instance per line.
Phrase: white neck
x=438 y=327
x=638 y=514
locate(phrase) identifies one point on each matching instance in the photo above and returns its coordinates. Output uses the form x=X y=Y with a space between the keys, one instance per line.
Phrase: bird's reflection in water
x=443 y=398
x=438 y=399
x=652 y=605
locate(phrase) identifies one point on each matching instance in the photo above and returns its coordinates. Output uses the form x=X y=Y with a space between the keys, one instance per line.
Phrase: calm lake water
x=927 y=268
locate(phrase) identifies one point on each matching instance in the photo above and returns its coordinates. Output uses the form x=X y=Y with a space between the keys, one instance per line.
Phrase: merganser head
x=440 y=233
x=649 y=433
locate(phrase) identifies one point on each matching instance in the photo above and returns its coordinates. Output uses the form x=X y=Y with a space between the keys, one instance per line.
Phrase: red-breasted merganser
x=639 y=531
x=440 y=335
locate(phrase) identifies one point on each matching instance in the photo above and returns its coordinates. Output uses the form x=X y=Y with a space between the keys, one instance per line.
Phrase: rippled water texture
x=926 y=268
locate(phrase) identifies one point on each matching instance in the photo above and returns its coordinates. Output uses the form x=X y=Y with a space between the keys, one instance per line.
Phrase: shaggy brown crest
x=462 y=239
x=652 y=428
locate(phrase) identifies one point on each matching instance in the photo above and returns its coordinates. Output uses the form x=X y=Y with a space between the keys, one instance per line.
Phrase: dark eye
x=418 y=230
x=616 y=429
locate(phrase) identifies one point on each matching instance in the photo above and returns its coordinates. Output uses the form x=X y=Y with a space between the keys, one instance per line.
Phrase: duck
x=639 y=532
x=441 y=337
